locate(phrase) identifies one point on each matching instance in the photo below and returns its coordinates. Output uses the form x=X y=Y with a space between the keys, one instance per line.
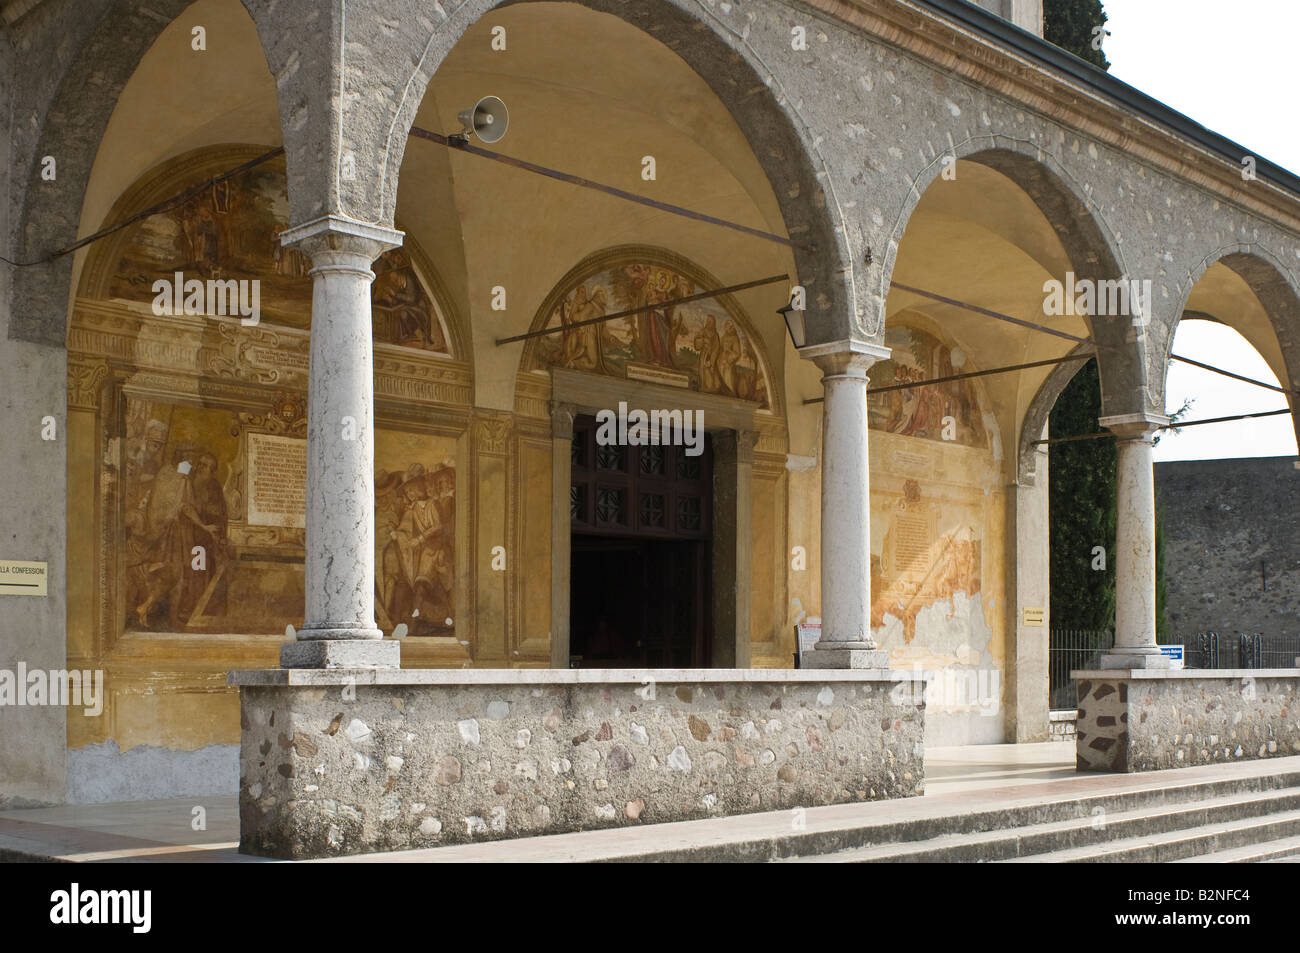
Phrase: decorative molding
x=85 y=383
x=492 y=434
x=250 y=354
x=590 y=393
x=287 y=417
x=533 y=394
x=217 y=348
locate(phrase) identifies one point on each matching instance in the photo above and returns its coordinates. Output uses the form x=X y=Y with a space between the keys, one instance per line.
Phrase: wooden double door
x=641 y=536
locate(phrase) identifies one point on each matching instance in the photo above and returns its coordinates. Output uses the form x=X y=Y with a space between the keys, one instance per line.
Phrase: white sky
x=1233 y=68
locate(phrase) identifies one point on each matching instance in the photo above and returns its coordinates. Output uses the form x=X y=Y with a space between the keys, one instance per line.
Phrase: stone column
x=846 y=640
x=562 y=416
x=1135 y=544
x=339 y=630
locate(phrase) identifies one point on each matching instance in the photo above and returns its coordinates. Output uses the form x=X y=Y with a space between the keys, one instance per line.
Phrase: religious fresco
x=928 y=493
x=698 y=344
x=415 y=535
x=919 y=411
x=214 y=517
x=924 y=558
x=231 y=231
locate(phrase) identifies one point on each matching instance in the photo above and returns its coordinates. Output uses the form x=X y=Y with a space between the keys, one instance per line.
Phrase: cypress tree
x=1071 y=25
x=1081 y=491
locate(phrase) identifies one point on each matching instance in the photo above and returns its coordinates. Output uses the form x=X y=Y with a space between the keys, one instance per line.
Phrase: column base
x=341 y=653
x=1133 y=661
x=855 y=655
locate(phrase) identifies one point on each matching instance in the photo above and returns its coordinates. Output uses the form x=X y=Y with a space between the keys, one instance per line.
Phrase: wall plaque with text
x=19 y=578
x=277 y=481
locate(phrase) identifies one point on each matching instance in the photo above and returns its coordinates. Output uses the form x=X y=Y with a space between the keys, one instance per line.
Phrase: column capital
x=735 y=446
x=336 y=243
x=562 y=415
x=1134 y=426
x=846 y=358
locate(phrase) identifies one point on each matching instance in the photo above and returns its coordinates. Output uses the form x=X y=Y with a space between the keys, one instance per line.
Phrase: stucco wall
x=31 y=515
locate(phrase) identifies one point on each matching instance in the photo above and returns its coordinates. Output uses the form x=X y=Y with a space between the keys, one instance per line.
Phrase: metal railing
x=1070 y=649
x=1244 y=650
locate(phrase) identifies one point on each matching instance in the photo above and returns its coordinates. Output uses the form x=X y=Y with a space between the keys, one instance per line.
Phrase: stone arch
x=766 y=114
x=1278 y=291
x=75 y=121
x=534 y=356
x=1037 y=414
x=1078 y=221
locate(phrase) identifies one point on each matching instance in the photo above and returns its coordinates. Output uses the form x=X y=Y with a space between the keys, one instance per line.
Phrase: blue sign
x=1174 y=653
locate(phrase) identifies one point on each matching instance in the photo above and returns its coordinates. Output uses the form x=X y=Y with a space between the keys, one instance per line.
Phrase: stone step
x=1245 y=788
x=1249 y=853
x=1181 y=844
x=1073 y=811
x=1034 y=841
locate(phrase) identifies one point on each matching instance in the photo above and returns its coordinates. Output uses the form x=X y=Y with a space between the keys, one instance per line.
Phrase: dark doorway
x=641 y=526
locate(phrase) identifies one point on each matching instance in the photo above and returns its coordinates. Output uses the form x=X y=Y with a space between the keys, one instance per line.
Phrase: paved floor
x=959 y=779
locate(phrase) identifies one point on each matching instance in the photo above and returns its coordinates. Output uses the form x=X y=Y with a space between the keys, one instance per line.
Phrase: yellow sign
x=19 y=578
x=1033 y=616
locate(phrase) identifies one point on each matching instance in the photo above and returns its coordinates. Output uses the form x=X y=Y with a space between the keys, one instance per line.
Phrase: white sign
x=18 y=578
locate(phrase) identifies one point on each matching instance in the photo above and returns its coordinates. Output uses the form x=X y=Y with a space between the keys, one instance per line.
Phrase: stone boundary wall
x=1060 y=725
x=1232 y=545
x=1151 y=720
x=353 y=761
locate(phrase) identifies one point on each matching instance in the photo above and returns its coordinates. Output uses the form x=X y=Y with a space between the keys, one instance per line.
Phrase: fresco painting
x=928 y=544
x=197 y=479
x=231 y=231
x=701 y=341
x=920 y=411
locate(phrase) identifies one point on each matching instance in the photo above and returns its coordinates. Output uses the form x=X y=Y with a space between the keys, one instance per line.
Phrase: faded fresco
x=415 y=535
x=936 y=517
x=920 y=411
x=923 y=558
x=213 y=517
x=698 y=343
x=231 y=230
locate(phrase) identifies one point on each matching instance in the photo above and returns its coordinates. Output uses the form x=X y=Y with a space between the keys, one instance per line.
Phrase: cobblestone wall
x=327 y=768
x=1144 y=722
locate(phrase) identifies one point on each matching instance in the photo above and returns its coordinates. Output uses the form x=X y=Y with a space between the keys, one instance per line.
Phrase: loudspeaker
x=488 y=119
